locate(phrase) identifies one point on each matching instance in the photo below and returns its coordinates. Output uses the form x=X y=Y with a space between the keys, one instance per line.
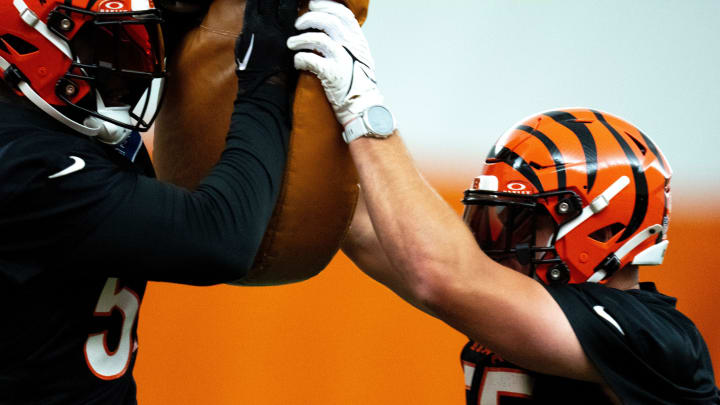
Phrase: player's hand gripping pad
x=319 y=192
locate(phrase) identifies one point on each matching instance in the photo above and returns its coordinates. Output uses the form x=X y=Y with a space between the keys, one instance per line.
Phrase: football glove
x=260 y=50
x=339 y=56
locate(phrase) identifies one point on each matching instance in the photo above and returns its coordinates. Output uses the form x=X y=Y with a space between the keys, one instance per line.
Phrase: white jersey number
x=504 y=382
x=103 y=363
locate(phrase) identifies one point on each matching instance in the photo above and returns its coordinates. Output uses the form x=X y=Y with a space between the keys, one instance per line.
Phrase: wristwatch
x=376 y=122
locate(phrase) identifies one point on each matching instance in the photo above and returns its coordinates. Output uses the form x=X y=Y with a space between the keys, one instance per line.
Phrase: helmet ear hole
x=19 y=45
x=606 y=233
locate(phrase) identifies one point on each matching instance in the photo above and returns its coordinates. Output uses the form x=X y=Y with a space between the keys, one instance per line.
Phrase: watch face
x=379 y=120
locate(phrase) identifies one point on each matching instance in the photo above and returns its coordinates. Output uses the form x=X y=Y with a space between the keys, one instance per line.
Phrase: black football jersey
x=491 y=380
x=82 y=230
x=647 y=352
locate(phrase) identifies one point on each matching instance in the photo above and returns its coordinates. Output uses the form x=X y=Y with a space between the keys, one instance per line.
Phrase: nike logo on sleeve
x=600 y=310
x=242 y=65
x=78 y=164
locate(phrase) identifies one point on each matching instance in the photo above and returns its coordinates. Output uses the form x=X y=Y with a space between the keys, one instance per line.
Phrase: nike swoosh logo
x=600 y=310
x=243 y=65
x=78 y=164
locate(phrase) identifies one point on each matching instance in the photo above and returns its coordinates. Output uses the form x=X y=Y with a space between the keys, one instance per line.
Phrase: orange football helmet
x=96 y=66
x=599 y=183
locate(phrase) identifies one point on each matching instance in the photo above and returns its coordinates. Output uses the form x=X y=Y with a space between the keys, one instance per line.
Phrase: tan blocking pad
x=195 y=117
x=319 y=192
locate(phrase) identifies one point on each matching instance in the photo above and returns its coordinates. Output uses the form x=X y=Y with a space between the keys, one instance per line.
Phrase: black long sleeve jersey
x=82 y=230
x=646 y=351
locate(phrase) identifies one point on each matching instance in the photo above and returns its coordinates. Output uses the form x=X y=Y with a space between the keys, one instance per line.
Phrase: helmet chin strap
x=103 y=130
x=635 y=241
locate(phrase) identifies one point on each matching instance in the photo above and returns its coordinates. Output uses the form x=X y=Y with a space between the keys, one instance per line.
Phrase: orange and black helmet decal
x=583 y=134
x=587 y=151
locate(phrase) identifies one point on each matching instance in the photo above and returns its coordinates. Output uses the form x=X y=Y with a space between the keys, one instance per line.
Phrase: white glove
x=345 y=67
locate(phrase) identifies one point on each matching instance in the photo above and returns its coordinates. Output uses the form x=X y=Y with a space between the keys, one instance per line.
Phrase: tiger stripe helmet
x=600 y=183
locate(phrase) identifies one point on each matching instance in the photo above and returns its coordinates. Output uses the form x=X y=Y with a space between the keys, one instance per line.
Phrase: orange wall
x=341 y=338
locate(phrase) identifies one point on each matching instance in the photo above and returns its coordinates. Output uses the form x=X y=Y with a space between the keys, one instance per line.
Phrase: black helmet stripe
x=641 y=185
x=653 y=149
x=586 y=139
x=554 y=152
x=518 y=163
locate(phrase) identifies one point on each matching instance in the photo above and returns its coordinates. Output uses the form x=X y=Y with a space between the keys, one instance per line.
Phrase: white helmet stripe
x=32 y=20
x=597 y=205
x=598 y=276
x=636 y=240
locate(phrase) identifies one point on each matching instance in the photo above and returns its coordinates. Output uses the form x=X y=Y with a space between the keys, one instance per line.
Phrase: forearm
x=423 y=238
x=426 y=244
x=244 y=185
x=206 y=236
x=242 y=189
x=362 y=246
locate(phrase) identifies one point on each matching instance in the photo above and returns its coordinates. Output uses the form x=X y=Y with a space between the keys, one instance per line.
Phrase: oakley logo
x=112 y=5
x=243 y=65
x=517 y=188
x=78 y=164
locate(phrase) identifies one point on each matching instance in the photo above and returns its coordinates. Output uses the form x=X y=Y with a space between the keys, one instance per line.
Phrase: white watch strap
x=355 y=129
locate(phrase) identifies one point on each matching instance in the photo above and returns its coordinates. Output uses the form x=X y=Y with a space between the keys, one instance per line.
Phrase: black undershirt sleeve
x=646 y=351
x=156 y=231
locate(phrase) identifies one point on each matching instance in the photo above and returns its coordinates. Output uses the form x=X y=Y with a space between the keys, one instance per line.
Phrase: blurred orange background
x=342 y=338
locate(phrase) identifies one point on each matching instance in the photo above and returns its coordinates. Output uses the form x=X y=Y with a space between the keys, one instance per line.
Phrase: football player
x=542 y=275
x=83 y=224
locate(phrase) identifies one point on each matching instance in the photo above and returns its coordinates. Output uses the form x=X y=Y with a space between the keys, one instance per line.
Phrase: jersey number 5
x=103 y=363
x=501 y=382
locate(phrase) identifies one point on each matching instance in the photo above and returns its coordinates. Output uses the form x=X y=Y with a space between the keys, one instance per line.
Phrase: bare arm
x=430 y=257
x=362 y=246
x=438 y=265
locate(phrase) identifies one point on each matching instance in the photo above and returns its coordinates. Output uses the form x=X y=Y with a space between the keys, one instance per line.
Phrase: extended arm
x=439 y=265
x=435 y=259
x=205 y=236
x=362 y=246
x=212 y=234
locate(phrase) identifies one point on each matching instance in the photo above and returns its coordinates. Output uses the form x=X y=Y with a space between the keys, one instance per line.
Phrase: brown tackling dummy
x=320 y=190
